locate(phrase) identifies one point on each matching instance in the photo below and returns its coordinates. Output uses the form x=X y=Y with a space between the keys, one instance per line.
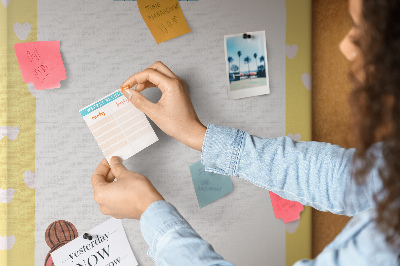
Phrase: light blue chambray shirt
x=312 y=173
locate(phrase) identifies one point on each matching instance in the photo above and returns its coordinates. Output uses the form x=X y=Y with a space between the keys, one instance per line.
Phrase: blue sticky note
x=209 y=186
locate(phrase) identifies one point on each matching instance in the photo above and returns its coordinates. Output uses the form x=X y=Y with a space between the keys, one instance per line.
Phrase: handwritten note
x=108 y=246
x=41 y=63
x=164 y=18
x=284 y=209
x=209 y=186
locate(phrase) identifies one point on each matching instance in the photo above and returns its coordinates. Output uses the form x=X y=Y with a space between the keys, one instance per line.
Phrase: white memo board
x=102 y=44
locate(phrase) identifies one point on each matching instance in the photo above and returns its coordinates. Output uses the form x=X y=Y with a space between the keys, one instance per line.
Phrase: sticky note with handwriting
x=108 y=246
x=209 y=186
x=284 y=209
x=41 y=63
x=164 y=18
x=118 y=126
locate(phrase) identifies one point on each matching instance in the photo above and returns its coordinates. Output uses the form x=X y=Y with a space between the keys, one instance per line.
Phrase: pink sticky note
x=41 y=64
x=284 y=209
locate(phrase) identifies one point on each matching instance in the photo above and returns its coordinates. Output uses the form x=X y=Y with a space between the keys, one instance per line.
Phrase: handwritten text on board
x=41 y=63
x=209 y=186
x=164 y=18
x=284 y=209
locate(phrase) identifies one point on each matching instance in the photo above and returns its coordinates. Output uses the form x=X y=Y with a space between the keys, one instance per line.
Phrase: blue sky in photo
x=248 y=47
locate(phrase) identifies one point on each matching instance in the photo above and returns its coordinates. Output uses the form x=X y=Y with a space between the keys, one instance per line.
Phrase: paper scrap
x=164 y=18
x=118 y=126
x=109 y=246
x=209 y=186
x=284 y=209
x=41 y=63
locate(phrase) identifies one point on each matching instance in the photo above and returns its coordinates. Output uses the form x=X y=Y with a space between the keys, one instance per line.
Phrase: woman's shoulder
x=364 y=239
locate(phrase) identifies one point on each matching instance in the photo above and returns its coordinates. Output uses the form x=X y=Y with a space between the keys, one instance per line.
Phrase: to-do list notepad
x=118 y=126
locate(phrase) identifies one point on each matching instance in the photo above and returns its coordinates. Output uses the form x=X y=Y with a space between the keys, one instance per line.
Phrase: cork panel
x=330 y=99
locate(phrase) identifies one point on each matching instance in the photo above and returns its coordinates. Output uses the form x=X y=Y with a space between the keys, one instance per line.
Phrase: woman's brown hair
x=375 y=101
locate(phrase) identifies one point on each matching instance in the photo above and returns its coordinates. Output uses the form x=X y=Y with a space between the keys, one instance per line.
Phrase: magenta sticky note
x=284 y=209
x=41 y=63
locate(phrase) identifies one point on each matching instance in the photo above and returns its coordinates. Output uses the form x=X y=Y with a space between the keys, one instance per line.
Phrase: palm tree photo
x=255 y=57
x=247 y=60
x=230 y=60
x=239 y=54
x=262 y=59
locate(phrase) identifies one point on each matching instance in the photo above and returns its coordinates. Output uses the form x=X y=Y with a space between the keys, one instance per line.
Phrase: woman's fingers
x=110 y=177
x=143 y=86
x=160 y=67
x=174 y=113
x=159 y=80
x=146 y=79
x=141 y=102
x=100 y=174
x=119 y=170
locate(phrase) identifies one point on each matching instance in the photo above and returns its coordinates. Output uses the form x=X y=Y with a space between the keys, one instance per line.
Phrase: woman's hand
x=174 y=113
x=127 y=197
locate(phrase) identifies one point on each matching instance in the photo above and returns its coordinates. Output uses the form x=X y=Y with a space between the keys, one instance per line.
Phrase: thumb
x=139 y=101
x=117 y=168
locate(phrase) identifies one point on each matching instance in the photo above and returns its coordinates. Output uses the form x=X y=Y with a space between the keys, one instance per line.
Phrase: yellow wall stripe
x=298 y=108
x=17 y=111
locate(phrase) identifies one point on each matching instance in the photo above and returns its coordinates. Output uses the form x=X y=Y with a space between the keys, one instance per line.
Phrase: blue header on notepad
x=100 y=103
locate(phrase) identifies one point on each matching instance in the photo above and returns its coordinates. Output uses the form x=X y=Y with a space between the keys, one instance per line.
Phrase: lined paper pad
x=118 y=126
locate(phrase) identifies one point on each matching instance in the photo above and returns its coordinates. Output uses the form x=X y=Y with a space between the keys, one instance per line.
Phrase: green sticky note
x=209 y=186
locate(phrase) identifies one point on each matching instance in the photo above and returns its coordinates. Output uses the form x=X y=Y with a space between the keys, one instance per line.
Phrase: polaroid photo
x=246 y=64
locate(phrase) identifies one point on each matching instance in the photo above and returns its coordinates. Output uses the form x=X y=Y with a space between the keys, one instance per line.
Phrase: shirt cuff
x=158 y=219
x=222 y=148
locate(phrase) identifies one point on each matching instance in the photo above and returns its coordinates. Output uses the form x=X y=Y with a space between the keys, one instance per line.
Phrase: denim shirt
x=312 y=173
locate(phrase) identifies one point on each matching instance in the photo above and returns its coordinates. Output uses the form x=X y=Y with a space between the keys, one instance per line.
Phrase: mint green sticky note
x=209 y=186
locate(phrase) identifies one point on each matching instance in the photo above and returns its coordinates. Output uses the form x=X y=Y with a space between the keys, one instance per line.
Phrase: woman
x=363 y=183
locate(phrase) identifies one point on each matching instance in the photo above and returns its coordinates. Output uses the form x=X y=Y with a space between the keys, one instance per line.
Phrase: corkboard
x=331 y=88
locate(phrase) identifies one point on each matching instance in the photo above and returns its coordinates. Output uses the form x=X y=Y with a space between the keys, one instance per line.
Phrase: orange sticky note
x=41 y=63
x=164 y=18
x=287 y=210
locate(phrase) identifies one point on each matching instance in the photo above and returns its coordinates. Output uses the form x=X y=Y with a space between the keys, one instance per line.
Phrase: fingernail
x=125 y=88
x=129 y=92
x=115 y=160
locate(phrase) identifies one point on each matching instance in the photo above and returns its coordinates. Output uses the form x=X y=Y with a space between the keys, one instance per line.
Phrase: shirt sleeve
x=312 y=173
x=360 y=243
x=172 y=241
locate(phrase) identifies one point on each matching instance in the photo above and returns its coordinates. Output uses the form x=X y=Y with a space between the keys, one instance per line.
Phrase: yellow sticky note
x=164 y=18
